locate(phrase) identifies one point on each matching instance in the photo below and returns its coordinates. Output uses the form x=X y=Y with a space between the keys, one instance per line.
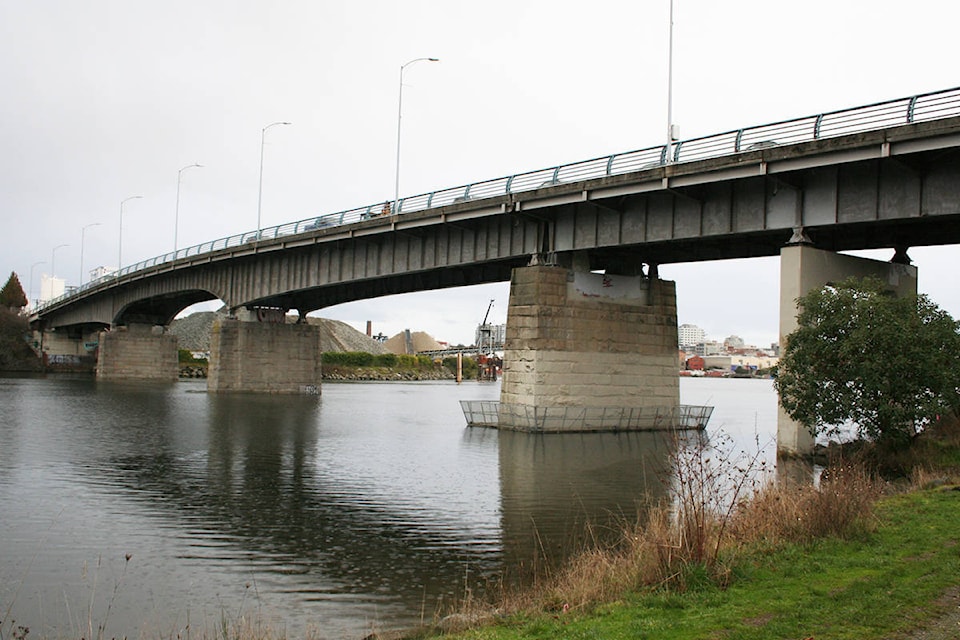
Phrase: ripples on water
x=362 y=509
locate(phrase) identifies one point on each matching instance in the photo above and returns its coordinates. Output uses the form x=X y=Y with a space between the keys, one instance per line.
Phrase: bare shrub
x=841 y=506
x=719 y=502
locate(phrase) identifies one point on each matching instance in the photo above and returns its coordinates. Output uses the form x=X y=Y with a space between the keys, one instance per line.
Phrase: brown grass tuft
x=842 y=506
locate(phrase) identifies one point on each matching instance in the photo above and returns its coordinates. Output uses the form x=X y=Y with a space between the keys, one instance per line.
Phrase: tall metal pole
x=83 y=231
x=263 y=134
x=35 y=264
x=670 y=89
x=53 y=257
x=176 y=214
x=120 y=241
x=396 y=185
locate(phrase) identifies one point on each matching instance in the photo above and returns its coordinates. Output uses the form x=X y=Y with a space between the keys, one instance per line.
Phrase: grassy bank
x=860 y=556
x=884 y=583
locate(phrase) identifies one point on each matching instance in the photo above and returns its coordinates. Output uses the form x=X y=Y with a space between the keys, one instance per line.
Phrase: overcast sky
x=104 y=100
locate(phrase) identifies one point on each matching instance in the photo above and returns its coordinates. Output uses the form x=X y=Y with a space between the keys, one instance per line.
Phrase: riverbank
x=899 y=580
x=891 y=570
x=358 y=366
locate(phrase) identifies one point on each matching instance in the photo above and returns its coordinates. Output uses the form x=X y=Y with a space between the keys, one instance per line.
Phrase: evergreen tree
x=12 y=295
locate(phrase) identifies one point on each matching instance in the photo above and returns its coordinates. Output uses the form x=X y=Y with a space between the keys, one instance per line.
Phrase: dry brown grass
x=679 y=545
x=841 y=506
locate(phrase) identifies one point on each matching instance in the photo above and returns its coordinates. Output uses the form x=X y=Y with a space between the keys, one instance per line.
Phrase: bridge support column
x=137 y=352
x=589 y=352
x=264 y=357
x=67 y=348
x=804 y=268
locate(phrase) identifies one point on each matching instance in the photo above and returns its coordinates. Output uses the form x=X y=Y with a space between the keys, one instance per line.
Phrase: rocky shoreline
x=348 y=374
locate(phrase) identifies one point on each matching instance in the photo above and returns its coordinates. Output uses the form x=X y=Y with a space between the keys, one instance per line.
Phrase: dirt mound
x=339 y=336
x=410 y=343
x=193 y=334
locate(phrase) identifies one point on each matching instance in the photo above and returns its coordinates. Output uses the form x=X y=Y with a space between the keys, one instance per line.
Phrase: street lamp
x=35 y=264
x=176 y=214
x=82 y=233
x=263 y=134
x=53 y=258
x=120 y=241
x=671 y=128
x=396 y=186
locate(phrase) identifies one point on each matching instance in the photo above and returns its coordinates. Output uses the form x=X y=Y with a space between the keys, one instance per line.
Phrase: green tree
x=12 y=295
x=888 y=365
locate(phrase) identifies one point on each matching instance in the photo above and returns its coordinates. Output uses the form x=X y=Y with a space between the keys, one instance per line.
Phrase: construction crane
x=487 y=362
x=487 y=315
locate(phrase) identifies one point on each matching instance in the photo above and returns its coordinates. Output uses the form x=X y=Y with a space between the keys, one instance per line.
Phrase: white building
x=99 y=272
x=690 y=335
x=51 y=287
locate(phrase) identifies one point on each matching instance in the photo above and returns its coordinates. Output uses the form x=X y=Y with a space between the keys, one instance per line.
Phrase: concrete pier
x=804 y=268
x=264 y=357
x=137 y=352
x=589 y=352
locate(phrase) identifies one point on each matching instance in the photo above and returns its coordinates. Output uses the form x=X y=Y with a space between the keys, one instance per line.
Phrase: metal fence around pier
x=489 y=413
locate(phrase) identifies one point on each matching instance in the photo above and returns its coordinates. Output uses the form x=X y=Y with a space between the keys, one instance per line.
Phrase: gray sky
x=103 y=100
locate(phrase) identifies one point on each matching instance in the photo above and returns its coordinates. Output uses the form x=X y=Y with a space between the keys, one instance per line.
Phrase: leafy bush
x=184 y=356
x=469 y=366
x=348 y=358
x=388 y=360
x=887 y=364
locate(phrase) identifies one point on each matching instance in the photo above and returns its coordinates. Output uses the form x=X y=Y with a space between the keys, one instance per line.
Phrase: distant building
x=709 y=348
x=690 y=335
x=99 y=272
x=493 y=335
x=733 y=342
x=51 y=287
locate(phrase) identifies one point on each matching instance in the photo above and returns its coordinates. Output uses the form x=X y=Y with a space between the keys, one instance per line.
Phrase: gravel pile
x=193 y=334
x=419 y=341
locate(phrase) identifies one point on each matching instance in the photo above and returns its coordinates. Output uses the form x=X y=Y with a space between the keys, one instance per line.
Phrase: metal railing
x=489 y=413
x=922 y=107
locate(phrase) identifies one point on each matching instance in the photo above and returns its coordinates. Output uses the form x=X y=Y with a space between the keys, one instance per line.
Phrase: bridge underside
x=891 y=188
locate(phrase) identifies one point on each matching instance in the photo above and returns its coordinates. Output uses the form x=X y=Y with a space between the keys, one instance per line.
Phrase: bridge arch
x=161 y=309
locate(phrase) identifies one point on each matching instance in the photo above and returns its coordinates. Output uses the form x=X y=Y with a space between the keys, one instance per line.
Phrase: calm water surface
x=360 y=510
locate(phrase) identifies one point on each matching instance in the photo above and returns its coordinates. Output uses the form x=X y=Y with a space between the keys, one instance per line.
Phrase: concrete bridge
x=590 y=323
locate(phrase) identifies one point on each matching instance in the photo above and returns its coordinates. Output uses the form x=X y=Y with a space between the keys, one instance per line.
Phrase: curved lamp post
x=82 y=236
x=263 y=135
x=176 y=213
x=53 y=258
x=120 y=241
x=35 y=264
x=396 y=185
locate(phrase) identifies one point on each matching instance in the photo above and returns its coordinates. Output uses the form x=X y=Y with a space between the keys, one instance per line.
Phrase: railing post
x=911 y=108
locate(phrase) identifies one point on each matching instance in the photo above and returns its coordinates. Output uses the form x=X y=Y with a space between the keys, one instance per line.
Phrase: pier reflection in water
x=365 y=508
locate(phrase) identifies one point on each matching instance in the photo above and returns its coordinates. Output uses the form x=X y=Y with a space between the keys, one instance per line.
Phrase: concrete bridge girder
x=894 y=187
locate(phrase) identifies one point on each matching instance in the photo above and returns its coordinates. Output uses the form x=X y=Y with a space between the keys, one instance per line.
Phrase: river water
x=162 y=510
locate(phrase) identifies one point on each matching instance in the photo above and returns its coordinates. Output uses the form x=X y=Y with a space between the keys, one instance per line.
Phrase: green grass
x=885 y=582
